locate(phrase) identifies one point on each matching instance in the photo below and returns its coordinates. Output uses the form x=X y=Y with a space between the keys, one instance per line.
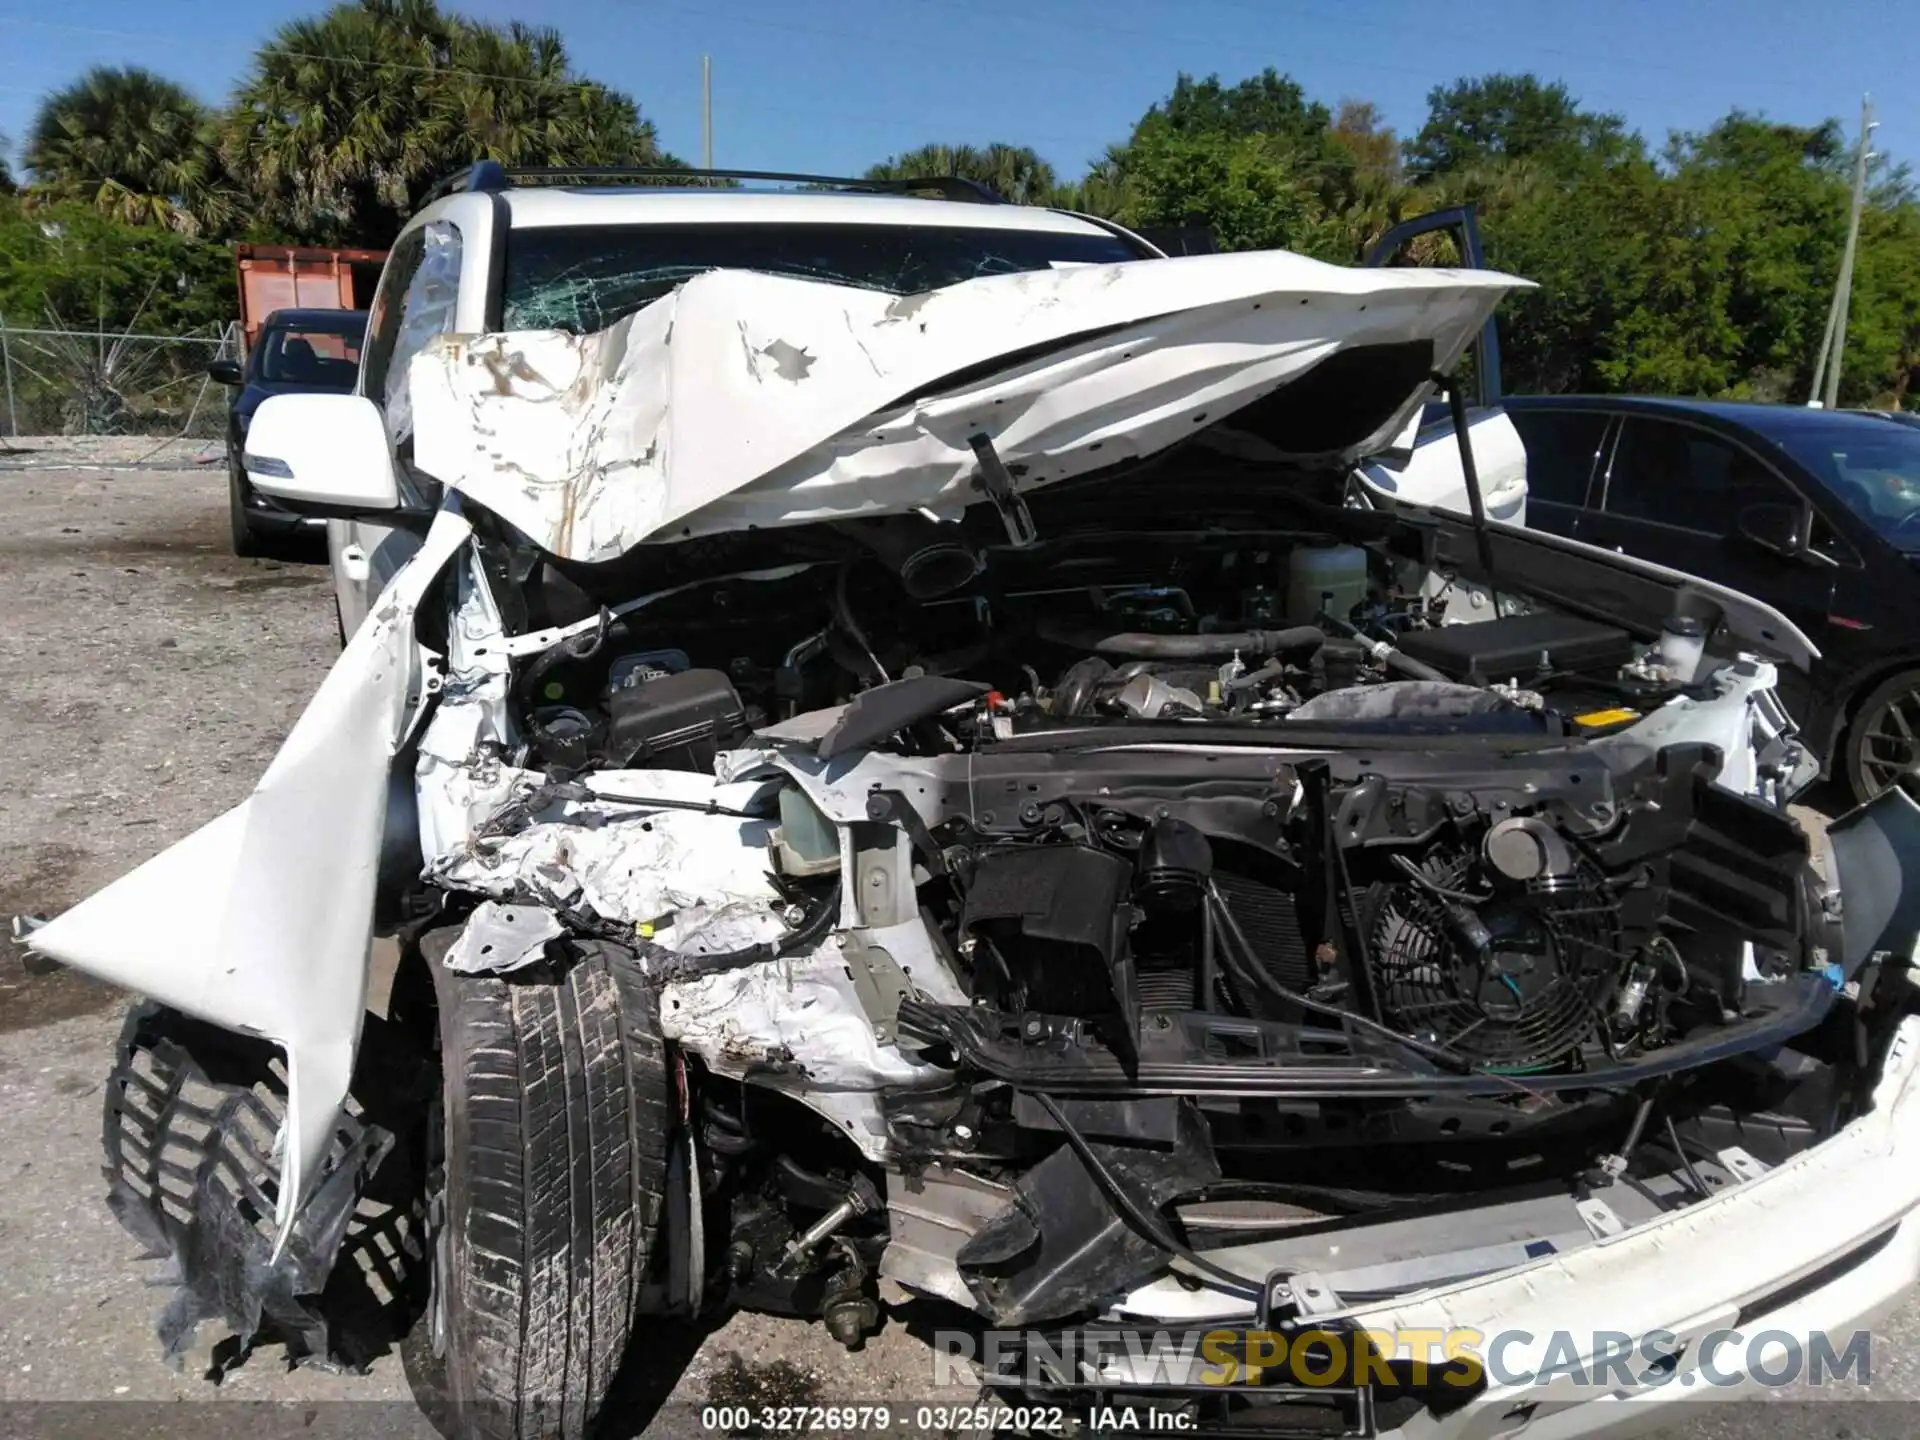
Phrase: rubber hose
x=1413 y=669
x=1397 y=660
x=1139 y=645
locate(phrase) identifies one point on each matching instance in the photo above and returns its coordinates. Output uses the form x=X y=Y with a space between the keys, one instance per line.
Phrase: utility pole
x=1833 y=345
x=706 y=112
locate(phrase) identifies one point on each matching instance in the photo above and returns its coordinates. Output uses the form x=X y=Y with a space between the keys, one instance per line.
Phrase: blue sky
x=833 y=85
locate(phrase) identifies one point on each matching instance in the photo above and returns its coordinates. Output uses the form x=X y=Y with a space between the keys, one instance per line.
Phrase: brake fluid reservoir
x=1325 y=577
x=1682 y=642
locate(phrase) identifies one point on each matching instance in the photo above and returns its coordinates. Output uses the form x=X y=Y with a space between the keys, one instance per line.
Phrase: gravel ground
x=146 y=677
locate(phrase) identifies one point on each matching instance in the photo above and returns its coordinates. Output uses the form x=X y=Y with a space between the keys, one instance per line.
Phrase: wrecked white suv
x=905 y=772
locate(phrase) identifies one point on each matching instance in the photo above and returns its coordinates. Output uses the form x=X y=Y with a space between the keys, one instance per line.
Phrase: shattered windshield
x=584 y=279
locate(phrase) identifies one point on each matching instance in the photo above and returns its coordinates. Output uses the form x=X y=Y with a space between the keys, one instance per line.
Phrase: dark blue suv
x=296 y=350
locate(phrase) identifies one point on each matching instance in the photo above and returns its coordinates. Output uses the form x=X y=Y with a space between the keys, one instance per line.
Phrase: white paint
x=1745 y=721
x=498 y=938
x=261 y=920
x=1429 y=472
x=1651 y=1278
x=333 y=448
x=635 y=865
x=801 y=1011
x=750 y=399
x=563 y=207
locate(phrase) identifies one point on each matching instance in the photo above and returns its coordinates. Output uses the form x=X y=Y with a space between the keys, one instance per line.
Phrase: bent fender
x=261 y=921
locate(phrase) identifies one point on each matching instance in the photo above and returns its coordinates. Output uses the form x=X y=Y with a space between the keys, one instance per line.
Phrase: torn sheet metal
x=699 y=880
x=750 y=399
x=498 y=938
x=801 y=1015
x=262 y=920
x=462 y=776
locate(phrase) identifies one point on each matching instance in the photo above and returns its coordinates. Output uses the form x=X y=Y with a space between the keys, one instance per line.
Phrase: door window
x=417 y=300
x=383 y=323
x=1688 y=479
x=1561 y=447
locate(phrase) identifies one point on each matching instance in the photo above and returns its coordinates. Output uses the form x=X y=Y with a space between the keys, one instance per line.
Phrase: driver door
x=1687 y=497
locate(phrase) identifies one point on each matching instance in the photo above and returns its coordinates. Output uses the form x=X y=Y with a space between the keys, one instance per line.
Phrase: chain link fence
x=85 y=382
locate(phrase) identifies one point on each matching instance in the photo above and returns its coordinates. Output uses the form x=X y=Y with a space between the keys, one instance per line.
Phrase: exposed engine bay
x=1294 y=631
x=991 y=816
x=1228 y=864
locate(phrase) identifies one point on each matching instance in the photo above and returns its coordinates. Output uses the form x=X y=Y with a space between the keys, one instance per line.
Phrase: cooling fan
x=1512 y=978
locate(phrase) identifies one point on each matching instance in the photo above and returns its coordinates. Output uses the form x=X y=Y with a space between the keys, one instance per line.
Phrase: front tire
x=1883 y=743
x=547 y=1199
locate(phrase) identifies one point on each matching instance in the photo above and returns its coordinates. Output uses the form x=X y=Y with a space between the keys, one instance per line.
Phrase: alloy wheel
x=1890 y=743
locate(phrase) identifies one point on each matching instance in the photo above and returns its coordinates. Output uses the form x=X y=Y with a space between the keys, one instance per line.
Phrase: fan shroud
x=1527 y=1000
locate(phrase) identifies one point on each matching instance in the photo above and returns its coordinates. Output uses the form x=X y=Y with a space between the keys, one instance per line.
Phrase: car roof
x=539 y=207
x=1775 y=420
x=317 y=316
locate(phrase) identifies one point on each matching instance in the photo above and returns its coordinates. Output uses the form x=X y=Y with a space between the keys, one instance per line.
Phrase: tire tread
x=557 y=1108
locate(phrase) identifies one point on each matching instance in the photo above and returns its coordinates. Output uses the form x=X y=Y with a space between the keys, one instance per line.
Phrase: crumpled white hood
x=751 y=399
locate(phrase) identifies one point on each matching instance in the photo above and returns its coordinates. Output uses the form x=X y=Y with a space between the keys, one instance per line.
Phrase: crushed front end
x=1080 y=870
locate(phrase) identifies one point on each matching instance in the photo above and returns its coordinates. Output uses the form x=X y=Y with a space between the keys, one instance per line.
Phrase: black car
x=296 y=350
x=1815 y=512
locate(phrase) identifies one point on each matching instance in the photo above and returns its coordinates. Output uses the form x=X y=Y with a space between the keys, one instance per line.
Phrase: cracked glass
x=426 y=311
x=584 y=279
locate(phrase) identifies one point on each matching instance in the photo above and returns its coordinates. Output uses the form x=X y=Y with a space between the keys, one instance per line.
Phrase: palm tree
x=1015 y=172
x=347 y=119
x=1104 y=190
x=329 y=127
x=132 y=144
x=512 y=95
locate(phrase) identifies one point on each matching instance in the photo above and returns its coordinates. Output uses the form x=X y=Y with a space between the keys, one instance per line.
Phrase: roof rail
x=491 y=175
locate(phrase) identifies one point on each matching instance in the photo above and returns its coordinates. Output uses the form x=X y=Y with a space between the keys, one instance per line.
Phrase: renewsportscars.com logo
x=1419 y=1359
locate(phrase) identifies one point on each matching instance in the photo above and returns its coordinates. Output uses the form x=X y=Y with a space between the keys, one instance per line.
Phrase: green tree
x=1255 y=162
x=6 y=175
x=64 y=262
x=132 y=144
x=1882 y=358
x=348 y=117
x=1247 y=189
x=1509 y=117
x=1269 y=104
x=1368 y=194
x=1755 y=219
x=1015 y=172
x=512 y=95
x=1104 y=190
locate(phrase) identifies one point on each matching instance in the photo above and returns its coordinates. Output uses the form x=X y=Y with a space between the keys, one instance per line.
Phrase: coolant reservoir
x=1325 y=577
x=807 y=843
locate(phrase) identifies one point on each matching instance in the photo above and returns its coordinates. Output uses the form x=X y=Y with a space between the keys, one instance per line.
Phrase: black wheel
x=1883 y=743
x=246 y=544
x=544 y=1193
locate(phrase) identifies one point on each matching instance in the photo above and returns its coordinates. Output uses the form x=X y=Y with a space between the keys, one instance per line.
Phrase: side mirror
x=226 y=372
x=322 y=455
x=1776 y=529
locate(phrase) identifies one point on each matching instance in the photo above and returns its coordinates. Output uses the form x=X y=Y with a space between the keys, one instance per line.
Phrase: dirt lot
x=146 y=677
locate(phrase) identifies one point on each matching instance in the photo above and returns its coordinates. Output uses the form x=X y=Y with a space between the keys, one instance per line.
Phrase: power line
x=997 y=60
x=872 y=120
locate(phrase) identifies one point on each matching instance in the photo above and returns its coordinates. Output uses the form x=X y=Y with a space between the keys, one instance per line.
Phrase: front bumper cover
x=1708 y=1302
